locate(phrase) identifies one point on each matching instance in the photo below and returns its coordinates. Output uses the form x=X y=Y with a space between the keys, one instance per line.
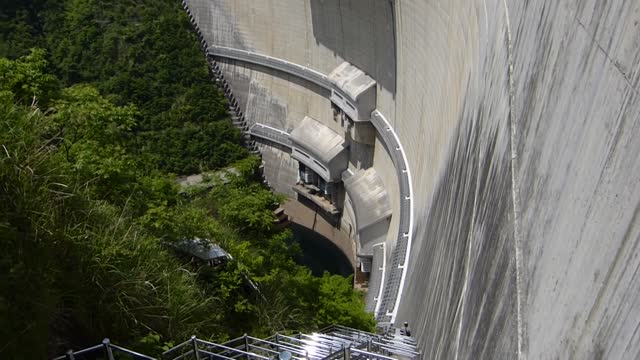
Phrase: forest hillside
x=103 y=104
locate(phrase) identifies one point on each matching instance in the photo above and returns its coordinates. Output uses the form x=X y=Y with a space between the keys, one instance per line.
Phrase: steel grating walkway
x=332 y=343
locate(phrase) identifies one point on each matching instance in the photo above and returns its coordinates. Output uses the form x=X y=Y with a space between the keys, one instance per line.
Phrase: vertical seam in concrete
x=515 y=193
x=467 y=267
x=395 y=50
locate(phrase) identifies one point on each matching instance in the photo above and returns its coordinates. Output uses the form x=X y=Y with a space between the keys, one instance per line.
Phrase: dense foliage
x=134 y=52
x=92 y=131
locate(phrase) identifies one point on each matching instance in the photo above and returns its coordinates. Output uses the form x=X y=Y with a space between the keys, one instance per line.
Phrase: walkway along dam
x=481 y=155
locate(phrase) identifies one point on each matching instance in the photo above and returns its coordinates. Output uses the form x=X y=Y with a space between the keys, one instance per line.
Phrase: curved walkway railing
x=386 y=306
x=378 y=270
x=270 y=133
x=313 y=76
x=271 y=62
x=397 y=273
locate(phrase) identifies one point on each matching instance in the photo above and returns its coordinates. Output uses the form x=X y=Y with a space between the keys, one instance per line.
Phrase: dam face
x=494 y=190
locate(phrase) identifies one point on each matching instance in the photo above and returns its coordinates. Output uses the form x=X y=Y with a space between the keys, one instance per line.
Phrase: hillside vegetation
x=102 y=105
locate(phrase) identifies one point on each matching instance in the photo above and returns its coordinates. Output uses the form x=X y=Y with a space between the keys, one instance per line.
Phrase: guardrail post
x=69 y=355
x=194 y=343
x=107 y=349
x=346 y=353
x=246 y=345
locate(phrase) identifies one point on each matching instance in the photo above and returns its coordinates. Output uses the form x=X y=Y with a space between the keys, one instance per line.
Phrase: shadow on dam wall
x=319 y=253
x=461 y=294
x=362 y=33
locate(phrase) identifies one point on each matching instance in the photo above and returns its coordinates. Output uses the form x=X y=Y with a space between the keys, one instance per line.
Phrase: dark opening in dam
x=319 y=253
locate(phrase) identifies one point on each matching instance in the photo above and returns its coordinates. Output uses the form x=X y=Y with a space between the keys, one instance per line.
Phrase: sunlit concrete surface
x=520 y=124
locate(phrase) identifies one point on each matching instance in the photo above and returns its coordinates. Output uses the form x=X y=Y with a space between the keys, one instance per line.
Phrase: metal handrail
x=231 y=349
x=397 y=350
x=319 y=347
x=330 y=345
x=181 y=356
x=371 y=354
x=289 y=348
x=108 y=348
x=79 y=352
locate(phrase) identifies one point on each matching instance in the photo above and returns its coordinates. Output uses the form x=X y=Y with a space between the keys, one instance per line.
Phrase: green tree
x=338 y=303
x=248 y=207
x=93 y=135
x=78 y=268
x=26 y=80
x=88 y=198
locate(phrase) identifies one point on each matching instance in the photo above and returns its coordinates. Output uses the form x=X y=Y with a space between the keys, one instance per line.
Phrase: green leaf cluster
x=135 y=52
x=77 y=269
x=26 y=79
x=92 y=133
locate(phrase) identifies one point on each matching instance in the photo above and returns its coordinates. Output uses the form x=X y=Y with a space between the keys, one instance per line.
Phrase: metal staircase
x=331 y=343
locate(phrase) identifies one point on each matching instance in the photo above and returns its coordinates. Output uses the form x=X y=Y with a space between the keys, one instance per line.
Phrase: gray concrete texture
x=520 y=121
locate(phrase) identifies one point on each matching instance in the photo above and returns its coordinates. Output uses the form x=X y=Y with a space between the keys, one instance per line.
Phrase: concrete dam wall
x=483 y=156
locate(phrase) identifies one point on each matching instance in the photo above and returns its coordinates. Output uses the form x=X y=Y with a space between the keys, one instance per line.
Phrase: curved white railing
x=285 y=66
x=400 y=256
x=393 y=281
x=270 y=133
